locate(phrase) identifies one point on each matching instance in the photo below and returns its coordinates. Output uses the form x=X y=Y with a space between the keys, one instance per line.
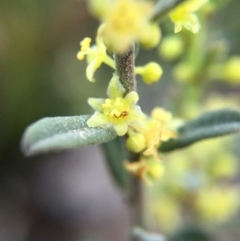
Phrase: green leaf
x=115 y=154
x=163 y=7
x=62 y=133
x=208 y=125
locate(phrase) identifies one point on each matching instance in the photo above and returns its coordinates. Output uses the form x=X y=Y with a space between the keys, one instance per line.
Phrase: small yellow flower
x=148 y=169
x=96 y=55
x=161 y=115
x=184 y=16
x=117 y=111
x=125 y=21
x=153 y=132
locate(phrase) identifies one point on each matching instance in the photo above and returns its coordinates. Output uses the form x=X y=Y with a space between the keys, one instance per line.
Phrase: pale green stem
x=139 y=70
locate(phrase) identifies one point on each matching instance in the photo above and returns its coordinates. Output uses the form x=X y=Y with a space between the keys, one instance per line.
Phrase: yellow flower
x=117 y=111
x=161 y=115
x=96 y=55
x=125 y=21
x=184 y=16
x=147 y=168
x=152 y=132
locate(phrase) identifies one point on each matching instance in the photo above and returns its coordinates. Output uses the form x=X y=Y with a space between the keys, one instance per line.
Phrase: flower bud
x=136 y=142
x=171 y=47
x=231 y=71
x=152 y=73
x=155 y=169
x=152 y=38
x=98 y=8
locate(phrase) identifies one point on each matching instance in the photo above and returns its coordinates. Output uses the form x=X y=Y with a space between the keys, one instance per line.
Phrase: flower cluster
x=124 y=22
x=145 y=138
x=144 y=134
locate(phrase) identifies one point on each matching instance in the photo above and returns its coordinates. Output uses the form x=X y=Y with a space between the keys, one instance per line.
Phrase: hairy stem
x=125 y=64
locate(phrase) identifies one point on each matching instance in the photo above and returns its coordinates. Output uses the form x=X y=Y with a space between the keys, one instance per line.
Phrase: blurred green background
x=67 y=195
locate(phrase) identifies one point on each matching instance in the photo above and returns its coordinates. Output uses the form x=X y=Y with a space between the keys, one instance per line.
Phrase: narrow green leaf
x=163 y=7
x=62 y=133
x=208 y=125
x=115 y=154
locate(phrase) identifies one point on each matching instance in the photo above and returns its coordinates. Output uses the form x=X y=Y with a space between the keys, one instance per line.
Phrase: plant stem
x=137 y=202
x=125 y=64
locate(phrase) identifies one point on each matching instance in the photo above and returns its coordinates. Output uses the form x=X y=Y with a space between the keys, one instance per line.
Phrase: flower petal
x=121 y=129
x=167 y=134
x=192 y=23
x=96 y=103
x=91 y=68
x=115 y=88
x=98 y=120
x=136 y=114
x=132 y=98
x=161 y=115
x=177 y=27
